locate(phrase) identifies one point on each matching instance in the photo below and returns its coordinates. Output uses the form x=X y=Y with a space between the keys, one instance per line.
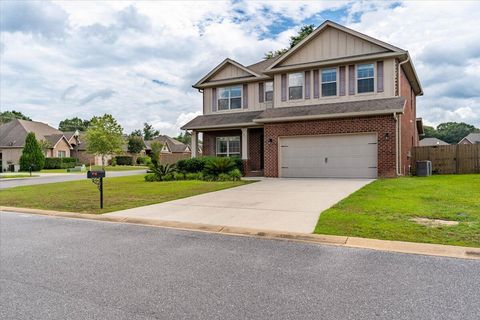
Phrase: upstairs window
x=230 y=98
x=269 y=91
x=329 y=82
x=228 y=146
x=365 y=78
x=295 y=86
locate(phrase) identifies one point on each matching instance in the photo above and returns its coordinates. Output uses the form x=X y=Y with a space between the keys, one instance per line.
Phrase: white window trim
x=228 y=153
x=265 y=91
x=303 y=86
x=374 y=79
x=229 y=98
x=321 y=83
x=61 y=152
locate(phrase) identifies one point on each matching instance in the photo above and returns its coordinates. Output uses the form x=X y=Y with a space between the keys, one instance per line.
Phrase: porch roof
x=357 y=108
x=223 y=120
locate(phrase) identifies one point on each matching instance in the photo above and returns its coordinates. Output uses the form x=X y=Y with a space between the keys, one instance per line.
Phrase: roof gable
x=14 y=133
x=226 y=70
x=330 y=41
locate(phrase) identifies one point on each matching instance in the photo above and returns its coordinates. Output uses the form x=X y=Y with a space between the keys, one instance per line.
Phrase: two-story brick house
x=338 y=104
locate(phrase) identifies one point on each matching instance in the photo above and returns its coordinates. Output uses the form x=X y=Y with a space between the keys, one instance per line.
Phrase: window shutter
x=351 y=79
x=379 y=76
x=245 y=96
x=316 y=86
x=307 y=84
x=342 y=81
x=284 y=87
x=214 y=99
x=261 y=92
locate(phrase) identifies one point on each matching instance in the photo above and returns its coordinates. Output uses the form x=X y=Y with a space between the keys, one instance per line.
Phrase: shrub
x=68 y=163
x=32 y=155
x=218 y=165
x=235 y=175
x=53 y=163
x=112 y=162
x=144 y=160
x=191 y=165
x=162 y=172
x=224 y=177
x=151 y=177
x=194 y=176
x=124 y=160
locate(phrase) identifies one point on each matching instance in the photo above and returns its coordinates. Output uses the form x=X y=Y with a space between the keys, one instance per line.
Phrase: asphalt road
x=10 y=183
x=57 y=268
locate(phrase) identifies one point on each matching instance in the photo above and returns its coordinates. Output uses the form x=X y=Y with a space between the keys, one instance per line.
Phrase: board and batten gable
x=332 y=43
x=389 y=74
x=229 y=71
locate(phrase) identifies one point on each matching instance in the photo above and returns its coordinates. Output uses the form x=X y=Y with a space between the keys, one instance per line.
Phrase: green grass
x=119 y=193
x=107 y=168
x=11 y=176
x=383 y=209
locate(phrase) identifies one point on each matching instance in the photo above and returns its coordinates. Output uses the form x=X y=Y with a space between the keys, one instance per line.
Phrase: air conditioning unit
x=424 y=168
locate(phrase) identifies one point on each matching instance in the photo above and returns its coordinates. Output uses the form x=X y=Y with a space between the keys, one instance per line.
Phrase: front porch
x=246 y=143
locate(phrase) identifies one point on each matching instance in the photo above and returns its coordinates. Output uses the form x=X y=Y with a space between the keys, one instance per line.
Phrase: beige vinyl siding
x=229 y=71
x=332 y=44
x=389 y=88
x=252 y=96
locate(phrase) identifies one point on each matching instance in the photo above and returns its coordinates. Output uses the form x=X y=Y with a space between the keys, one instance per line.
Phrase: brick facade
x=409 y=135
x=384 y=126
x=255 y=152
x=209 y=140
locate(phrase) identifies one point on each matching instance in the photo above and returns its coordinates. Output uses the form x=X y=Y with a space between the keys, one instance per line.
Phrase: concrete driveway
x=272 y=204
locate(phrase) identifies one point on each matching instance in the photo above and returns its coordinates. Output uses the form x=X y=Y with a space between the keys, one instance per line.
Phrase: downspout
x=398 y=140
x=397 y=144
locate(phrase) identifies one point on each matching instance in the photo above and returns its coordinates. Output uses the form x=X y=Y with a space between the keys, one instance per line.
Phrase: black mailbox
x=95 y=174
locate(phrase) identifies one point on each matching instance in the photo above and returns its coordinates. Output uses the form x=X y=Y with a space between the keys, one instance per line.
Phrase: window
x=365 y=78
x=62 y=154
x=228 y=146
x=230 y=98
x=329 y=82
x=295 y=86
x=269 y=91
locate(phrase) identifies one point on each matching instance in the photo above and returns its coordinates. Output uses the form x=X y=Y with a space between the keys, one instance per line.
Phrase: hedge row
x=124 y=160
x=59 y=163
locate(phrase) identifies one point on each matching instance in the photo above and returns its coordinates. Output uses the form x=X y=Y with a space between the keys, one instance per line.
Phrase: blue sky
x=138 y=59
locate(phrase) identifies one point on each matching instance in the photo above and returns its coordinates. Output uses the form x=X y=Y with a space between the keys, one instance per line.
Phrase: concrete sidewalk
x=292 y=205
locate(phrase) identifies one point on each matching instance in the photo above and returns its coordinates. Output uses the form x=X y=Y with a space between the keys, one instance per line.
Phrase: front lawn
x=119 y=193
x=384 y=209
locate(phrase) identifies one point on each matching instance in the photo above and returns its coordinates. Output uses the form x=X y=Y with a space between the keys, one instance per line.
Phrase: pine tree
x=32 y=155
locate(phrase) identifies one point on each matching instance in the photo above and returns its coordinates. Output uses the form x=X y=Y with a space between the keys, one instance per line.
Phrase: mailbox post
x=97 y=178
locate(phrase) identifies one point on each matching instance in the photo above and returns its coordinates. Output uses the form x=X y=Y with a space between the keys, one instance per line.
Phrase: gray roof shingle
x=473 y=137
x=432 y=142
x=13 y=133
x=338 y=109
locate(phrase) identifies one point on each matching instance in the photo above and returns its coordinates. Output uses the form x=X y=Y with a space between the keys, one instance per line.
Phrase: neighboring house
x=472 y=138
x=338 y=104
x=12 y=141
x=170 y=145
x=427 y=142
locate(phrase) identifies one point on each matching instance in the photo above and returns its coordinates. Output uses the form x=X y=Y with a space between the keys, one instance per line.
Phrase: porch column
x=193 y=145
x=244 y=144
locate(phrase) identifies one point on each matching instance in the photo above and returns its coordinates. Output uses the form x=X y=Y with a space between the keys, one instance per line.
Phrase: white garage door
x=342 y=156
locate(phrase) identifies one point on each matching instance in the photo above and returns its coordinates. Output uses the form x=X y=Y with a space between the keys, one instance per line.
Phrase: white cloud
x=110 y=52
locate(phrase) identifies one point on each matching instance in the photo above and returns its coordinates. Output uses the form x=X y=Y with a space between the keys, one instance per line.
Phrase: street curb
x=352 y=242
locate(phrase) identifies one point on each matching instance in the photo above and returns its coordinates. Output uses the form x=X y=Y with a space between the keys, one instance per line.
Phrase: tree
x=104 y=136
x=32 y=158
x=156 y=147
x=73 y=124
x=137 y=132
x=45 y=145
x=8 y=116
x=135 y=146
x=149 y=133
x=451 y=132
x=185 y=138
x=294 y=40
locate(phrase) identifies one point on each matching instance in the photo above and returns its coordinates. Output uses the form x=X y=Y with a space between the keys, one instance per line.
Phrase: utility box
x=424 y=168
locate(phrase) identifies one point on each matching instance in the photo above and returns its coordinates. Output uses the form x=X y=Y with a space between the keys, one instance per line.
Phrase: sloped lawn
x=384 y=209
x=119 y=193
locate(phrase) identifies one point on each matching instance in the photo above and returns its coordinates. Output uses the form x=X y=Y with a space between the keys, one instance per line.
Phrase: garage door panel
x=329 y=156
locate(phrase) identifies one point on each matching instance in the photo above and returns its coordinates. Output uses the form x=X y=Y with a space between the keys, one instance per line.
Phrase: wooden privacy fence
x=171 y=158
x=456 y=158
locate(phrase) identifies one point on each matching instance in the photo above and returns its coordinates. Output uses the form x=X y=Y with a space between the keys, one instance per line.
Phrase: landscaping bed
x=119 y=193
x=443 y=209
